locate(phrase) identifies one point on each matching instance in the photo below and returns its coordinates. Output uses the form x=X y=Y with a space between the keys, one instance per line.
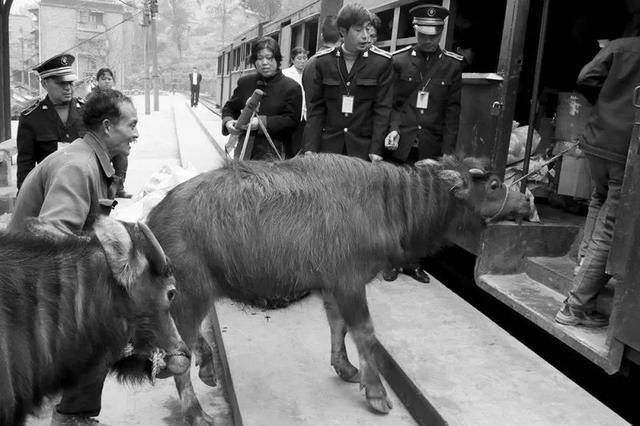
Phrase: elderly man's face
x=428 y=43
x=59 y=91
x=124 y=132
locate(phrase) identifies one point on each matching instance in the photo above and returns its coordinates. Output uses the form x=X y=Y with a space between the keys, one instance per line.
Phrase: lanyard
x=425 y=84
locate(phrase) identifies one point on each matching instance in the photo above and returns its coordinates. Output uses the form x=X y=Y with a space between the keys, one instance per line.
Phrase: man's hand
x=231 y=127
x=392 y=140
x=374 y=158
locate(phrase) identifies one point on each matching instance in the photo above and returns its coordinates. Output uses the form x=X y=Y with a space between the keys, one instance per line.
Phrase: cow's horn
x=157 y=257
x=477 y=172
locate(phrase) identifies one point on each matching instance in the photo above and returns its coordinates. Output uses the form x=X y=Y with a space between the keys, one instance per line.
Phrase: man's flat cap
x=429 y=18
x=57 y=66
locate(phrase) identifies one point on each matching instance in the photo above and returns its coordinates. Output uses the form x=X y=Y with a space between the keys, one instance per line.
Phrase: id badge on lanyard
x=347 y=104
x=422 y=100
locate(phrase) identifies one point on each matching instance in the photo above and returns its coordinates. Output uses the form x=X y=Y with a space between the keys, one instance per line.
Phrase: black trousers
x=195 y=94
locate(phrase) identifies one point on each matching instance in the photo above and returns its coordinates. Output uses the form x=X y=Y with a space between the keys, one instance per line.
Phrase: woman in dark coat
x=279 y=109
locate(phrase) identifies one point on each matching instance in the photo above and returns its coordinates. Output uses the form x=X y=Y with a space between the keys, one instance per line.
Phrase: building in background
x=23 y=50
x=98 y=33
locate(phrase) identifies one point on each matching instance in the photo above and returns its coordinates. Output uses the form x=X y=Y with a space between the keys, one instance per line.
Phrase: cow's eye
x=494 y=185
x=171 y=294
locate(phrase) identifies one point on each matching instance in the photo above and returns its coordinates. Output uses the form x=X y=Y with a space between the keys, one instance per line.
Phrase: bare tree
x=267 y=8
x=177 y=15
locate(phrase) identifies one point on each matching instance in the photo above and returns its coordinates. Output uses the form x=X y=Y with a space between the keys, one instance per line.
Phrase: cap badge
x=63 y=60
x=431 y=11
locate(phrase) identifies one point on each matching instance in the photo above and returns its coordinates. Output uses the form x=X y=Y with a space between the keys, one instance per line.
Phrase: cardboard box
x=575 y=179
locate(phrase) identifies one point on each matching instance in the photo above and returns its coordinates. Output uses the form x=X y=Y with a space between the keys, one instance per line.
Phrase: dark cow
x=259 y=231
x=70 y=305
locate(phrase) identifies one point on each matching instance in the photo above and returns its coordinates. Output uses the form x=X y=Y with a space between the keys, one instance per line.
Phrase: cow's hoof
x=208 y=374
x=348 y=373
x=378 y=401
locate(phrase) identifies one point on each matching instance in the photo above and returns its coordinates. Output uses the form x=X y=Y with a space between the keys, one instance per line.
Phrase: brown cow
x=70 y=305
x=259 y=231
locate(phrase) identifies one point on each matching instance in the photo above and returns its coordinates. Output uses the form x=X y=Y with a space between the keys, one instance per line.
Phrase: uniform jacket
x=615 y=70
x=370 y=82
x=69 y=188
x=280 y=110
x=40 y=129
x=199 y=79
x=435 y=128
x=309 y=73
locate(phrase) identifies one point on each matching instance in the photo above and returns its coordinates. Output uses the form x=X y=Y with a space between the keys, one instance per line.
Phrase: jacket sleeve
x=68 y=198
x=26 y=144
x=382 y=109
x=316 y=113
x=289 y=118
x=307 y=79
x=231 y=109
x=397 y=102
x=593 y=74
x=452 y=113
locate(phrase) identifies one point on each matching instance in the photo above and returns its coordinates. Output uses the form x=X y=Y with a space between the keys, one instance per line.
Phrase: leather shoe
x=123 y=194
x=390 y=274
x=419 y=274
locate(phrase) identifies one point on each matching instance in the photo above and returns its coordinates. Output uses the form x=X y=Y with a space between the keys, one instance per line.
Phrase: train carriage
x=527 y=267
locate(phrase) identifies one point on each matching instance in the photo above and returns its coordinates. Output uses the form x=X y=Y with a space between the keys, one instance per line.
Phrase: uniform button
x=346 y=130
x=419 y=127
x=67 y=135
x=348 y=83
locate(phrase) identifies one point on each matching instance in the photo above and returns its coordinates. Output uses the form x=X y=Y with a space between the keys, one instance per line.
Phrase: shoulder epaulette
x=404 y=49
x=325 y=51
x=380 y=52
x=453 y=55
x=29 y=109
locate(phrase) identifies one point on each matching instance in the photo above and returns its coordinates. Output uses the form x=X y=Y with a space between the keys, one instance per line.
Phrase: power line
x=104 y=32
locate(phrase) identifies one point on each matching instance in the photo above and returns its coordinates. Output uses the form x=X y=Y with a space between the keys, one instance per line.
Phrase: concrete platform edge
x=422 y=411
x=227 y=376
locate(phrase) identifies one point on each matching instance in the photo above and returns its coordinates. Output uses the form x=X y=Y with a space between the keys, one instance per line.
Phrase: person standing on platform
x=426 y=101
x=70 y=189
x=608 y=81
x=299 y=56
x=106 y=81
x=56 y=118
x=279 y=110
x=351 y=93
x=331 y=38
x=194 y=80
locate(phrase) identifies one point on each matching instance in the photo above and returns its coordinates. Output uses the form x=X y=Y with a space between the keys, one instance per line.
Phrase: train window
x=386 y=25
x=311 y=36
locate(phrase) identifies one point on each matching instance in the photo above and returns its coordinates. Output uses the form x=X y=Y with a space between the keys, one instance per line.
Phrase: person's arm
x=231 y=109
x=67 y=202
x=593 y=74
x=452 y=113
x=26 y=144
x=316 y=113
x=382 y=110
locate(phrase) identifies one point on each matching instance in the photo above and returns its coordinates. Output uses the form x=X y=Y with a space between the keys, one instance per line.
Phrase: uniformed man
x=56 y=118
x=351 y=92
x=426 y=101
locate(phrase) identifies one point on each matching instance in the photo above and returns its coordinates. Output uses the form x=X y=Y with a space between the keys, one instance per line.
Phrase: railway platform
x=443 y=361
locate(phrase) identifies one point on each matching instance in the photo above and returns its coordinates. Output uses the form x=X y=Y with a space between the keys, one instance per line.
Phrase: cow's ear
x=126 y=263
x=457 y=184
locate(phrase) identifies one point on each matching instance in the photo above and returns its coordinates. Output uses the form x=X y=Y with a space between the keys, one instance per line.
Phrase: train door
x=624 y=259
x=491 y=80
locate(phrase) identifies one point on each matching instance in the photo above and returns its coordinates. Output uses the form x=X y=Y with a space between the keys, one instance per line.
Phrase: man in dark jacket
x=194 y=82
x=351 y=93
x=426 y=101
x=56 y=118
x=609 y=81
